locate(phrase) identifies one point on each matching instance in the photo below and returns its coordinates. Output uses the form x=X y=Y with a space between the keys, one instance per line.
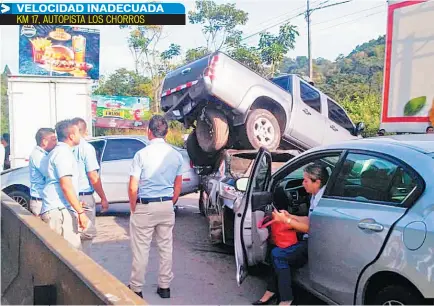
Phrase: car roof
x=141 y=137
x=422 y=143
x=138 y=137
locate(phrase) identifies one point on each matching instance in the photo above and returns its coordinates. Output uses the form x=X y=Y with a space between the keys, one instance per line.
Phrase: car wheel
x=21 y=198
x=196 y=154
x=212 y=130
x=262 y=129
x=397 y=295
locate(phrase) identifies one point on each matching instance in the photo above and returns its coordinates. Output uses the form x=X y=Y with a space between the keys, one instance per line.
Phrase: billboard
x=52 y=50
x=120 y=111
x=408 y=94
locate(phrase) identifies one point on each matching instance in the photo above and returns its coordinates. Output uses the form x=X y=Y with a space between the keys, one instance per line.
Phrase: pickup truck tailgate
x=185 y=74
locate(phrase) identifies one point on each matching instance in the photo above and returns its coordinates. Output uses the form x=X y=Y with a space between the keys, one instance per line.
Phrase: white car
x=115 y=154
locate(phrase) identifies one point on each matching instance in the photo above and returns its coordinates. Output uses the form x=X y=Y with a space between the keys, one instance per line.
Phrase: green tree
x=171 y=52
x=248 y=56
x=4 y=104
x=365 y=109
x=273 y=48
x=193 y=54
x=219 y=21
x=124 y=82
x=143 y=42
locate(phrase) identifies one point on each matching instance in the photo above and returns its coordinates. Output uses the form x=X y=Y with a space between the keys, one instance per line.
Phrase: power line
x=272 y=26
x=309 y=11
x=279 y=23
x=279 y=16
x=289 y=19
x=376 y=13
x=355 y=13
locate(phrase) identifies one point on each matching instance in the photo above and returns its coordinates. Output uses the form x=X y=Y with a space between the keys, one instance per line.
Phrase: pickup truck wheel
x=212 y=130
x=196 y=154
x=397 y=295
x=263 y=129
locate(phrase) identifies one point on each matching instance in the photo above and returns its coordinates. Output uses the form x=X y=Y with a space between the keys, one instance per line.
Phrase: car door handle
x=333 y=128
x=372 y=226
x=307 y=112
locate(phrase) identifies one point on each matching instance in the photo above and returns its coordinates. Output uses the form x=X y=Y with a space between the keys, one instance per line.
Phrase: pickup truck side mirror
x=360 y=127
x=241 y=184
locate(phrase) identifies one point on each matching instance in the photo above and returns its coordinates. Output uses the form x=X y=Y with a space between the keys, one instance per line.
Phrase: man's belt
x=85 y=193
x=35 y=199
x=150 y=200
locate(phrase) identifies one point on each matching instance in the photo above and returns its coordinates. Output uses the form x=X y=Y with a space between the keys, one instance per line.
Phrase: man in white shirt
x=155 y=186
x=315 y=178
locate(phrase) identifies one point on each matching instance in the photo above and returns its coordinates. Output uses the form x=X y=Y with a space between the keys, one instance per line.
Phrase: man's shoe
x=164 y=293
x=138 y=293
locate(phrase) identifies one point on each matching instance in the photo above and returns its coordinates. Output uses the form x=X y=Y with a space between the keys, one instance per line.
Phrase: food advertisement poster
x=51 y=50
x=120 y=111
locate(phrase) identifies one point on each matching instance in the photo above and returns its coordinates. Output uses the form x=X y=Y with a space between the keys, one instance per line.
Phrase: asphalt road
x=204 y=274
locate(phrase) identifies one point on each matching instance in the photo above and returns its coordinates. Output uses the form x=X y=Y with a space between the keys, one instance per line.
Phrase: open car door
x=251 y=242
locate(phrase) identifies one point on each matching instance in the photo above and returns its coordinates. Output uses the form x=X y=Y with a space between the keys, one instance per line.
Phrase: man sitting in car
x=315 y=178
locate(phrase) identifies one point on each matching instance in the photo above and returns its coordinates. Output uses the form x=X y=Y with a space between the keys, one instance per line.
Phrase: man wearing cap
x=155 y=186
x=89 y=182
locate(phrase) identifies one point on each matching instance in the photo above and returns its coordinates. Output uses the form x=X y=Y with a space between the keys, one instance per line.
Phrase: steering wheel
x=281 y=199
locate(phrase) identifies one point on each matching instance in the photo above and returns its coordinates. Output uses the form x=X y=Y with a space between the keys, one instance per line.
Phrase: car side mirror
x=262 y=199
x=360 y=127
x=241 y=183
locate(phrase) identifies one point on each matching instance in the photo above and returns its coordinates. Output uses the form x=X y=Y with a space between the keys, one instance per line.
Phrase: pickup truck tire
x=212 y=130
x=262 y=129
x=196 y=154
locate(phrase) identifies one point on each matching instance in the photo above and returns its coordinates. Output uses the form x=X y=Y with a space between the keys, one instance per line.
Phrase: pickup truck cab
x=233 y=106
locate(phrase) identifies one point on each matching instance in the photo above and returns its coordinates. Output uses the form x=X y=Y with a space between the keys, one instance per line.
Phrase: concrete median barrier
x=39 y=267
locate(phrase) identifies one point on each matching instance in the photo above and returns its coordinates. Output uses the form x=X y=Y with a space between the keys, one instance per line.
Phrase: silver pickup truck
x=232 y=106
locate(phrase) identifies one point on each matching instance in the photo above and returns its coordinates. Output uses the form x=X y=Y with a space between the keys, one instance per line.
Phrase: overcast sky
x=335 y=30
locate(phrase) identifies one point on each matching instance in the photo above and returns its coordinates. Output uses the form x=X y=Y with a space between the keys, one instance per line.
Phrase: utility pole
x=309 y=31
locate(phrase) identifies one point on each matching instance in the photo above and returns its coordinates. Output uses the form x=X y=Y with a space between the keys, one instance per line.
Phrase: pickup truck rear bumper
x=179 y=104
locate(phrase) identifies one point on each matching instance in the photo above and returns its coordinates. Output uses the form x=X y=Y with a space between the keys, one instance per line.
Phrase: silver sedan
x=371 y=236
